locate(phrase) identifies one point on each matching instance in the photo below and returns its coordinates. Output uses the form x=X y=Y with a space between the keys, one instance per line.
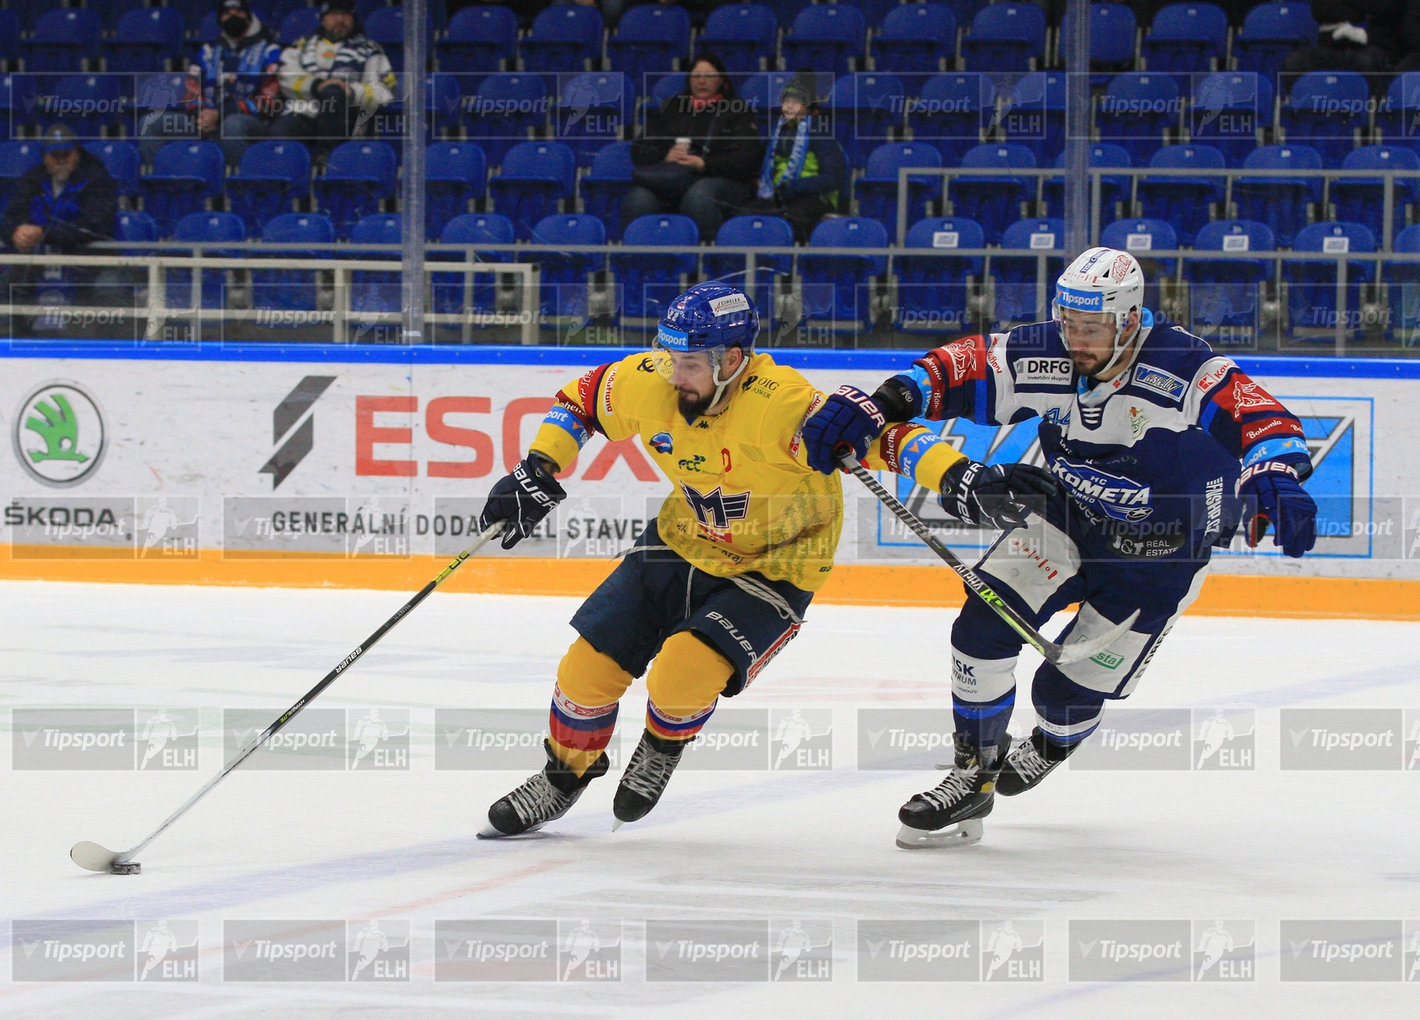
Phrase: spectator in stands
x=803 y=169
x=235 y=93
x=1352 y=35
x=335 y=81
x=699 y=155
x=61 y=206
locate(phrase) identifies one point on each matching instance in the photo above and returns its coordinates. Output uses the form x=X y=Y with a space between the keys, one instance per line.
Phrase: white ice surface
x=1263 y=845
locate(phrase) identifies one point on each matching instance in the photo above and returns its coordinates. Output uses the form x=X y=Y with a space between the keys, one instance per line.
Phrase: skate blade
x=965 y=833
x=488 y=832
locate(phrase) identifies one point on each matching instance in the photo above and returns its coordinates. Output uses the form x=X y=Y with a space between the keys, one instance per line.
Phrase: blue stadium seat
x=760 y=94
x=1185 y=38
x=1326 y=110
x=1362 y=199
x=754 y=231
x=1228 y=110
x=563 y=287
x=1225 y=295
x=1114 y=191
x=1269 y=32
x=646 y=284
x=298 y=24
x=272 y=174
x=933 y=292
x=482 y=38
x=563 y=38
x=664 y=87
x=17 y=157
x=1033 y=112
x=1023 y=289
x=838 y=289
x=993 y=201
x=1140 y=237
x=120 y=159
x=535 y=177
x=88 y=103
x=1138 y=110
x=1282 y=201
x=146 y=37
x=471 y=229
x=1185 y=200
x=1113 y=29
x=359 y=174
x=385 y=25
x=291 y=289
x=876 y=190
x=204 y=228
x=604 y=185
x=951 y=111
x=9 y=35
x=649 y=38
x=136 y=227
x=184 y=176
x=1398 y=118
x=62 y=40
x=455 y=176
x=594 y=108
x=917 y=38
x=740 y=34
x=1403 y=288
x=1005 y=37
x=1313 y=311
x=374 y=290
x=824 y=37
x=866 y=108
x=506 y=110
x=17 y=104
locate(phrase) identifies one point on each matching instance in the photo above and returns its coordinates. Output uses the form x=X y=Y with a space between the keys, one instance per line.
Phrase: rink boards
x=367 y=466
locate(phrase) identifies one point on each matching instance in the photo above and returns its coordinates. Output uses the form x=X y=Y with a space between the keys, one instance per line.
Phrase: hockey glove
x=522 y=499
x=848 y=420
x=996 y=495
x=1272 y=494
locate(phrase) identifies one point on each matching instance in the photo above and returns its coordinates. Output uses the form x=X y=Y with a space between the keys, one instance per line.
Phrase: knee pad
x=589 y=678
x=687 y=675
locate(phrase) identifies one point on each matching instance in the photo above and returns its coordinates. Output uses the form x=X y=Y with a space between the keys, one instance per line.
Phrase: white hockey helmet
x=1102 y=280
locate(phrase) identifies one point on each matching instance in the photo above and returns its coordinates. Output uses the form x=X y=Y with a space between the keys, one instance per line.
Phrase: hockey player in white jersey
x=1161 y=448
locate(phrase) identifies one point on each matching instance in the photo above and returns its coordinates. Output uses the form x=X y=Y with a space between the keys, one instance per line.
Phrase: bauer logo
x=802 y=739
x=894 y=738
x=168 y=527
x=1410 y=961
x=735 y=950
x=1341 y=738
x=589 y=951
x=72 y=738
x=71 y=950
x=922 y=950
x=1335 y=950
x=1224 y=951
x=496 y=738
x=377 y=739
x=1130 y=950
x=377 y=950
x=1224 y=739
x=1411 y=754
x=497 y=949
x=1135 y=738
x=166 y=951
x=283 y=950
x=59 y=435
x=165 y=740
x=1012 y=951
x=313 y=740
x=800 y=950
x=734 y=738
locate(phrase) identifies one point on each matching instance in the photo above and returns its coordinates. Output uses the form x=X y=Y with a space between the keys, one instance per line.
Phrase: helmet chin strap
x=721 y=384
x=1120 y=344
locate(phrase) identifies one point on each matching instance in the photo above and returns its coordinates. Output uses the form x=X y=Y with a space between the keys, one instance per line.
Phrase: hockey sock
x=1065 y=712
x=584 y=705
x=684 y=685
x=983 y=694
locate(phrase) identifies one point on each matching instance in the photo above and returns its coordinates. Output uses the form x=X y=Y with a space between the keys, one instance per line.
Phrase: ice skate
x=645 y=778
x=544 y=797
x=951 y=813
x=1030 y=761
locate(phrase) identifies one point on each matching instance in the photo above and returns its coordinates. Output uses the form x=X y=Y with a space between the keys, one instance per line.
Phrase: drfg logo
x=59 y=434
x=502 y=949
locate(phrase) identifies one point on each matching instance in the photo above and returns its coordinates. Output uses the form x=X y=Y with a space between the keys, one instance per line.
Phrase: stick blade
x=1079 y=651
x=92 y=857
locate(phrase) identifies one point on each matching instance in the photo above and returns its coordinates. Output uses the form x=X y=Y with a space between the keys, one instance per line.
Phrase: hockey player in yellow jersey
x=719 y=583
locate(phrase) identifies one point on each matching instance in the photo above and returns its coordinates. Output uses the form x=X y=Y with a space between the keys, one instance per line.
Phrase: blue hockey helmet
x=710 y=317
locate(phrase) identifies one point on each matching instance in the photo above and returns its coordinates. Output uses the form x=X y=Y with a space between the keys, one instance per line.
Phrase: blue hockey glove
x=849 y=419
x=1272 y=494
x=522 y=499
x=996 y=495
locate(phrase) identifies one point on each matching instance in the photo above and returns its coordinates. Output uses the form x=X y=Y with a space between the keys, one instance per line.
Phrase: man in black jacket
x=1352 y=35
x=700 y=153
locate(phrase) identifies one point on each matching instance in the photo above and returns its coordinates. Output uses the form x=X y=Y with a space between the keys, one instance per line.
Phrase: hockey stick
x=1059 y=655
x=93 y=857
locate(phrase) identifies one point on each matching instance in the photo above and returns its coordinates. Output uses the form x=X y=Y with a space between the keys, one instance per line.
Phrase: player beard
x=692 y=404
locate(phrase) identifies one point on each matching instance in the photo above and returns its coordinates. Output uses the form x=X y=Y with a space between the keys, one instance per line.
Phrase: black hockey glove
x=522 y=499
x=996 y=495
